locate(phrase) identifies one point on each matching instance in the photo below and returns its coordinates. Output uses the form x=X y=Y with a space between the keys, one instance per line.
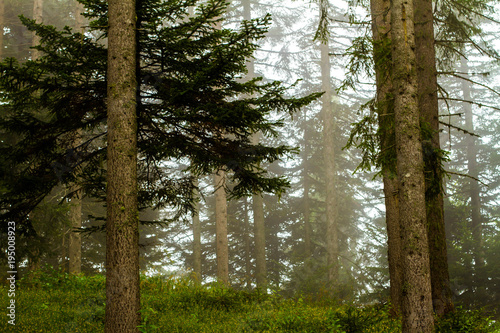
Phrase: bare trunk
x=474 y=190
x=381 y=27
x=222 y=251
x=307 y=215
x=75 y=238
x=122 y=232
x=260 y=241
x=197 y=242
x=248 y=254
x=417 y=295
x=38 y=17
x=429 y=114
x=329 y=168
x=2 y=24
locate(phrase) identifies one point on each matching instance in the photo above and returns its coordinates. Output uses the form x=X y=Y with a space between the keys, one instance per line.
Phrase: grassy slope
x=61 y=303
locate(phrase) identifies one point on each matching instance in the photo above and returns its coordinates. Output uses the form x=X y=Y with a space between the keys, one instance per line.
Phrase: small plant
x=462 y=320
x=146 y=326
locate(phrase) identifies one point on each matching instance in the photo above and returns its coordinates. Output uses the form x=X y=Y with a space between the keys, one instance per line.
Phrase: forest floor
x=58 y=302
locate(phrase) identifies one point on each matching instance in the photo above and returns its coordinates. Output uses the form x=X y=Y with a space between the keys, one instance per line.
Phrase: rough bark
x=381 y=27
x=222 y=251
x=197 y=242
x=329 y=168
x=122 y=234
x=429 y=114
x=416 y=289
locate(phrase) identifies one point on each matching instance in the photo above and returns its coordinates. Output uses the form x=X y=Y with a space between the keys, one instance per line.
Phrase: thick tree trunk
x=197 y=242
x=429 y=114
x=381 y=27
x=474 y=190
x=122 y=234
x=417 y=296
x=222 y=250
x=332 y=248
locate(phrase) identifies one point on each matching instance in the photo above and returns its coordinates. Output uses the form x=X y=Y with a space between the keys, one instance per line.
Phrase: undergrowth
x=53 y=301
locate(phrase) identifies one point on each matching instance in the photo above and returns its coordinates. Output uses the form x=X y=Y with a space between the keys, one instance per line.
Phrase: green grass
x=57 y=302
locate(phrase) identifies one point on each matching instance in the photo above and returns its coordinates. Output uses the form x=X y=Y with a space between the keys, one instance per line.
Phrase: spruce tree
x=188 y=88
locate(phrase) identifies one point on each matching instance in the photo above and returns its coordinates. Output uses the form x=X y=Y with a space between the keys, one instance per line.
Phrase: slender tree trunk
x=381 y=27
x=75 y=238
x=122 y=232
x=474 y=190
x=222 y=250
x=306 y=206
x=2 y=24
x=248 y=254
x=429 y=114
x=197 y=242
x=34 y=257
x=417 y=296
x=307 y=210
x=38 y=17
x=260 y=241
x=257 y=200
x=329 y=168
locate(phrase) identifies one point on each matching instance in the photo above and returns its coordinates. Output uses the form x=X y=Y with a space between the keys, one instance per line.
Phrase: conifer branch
x=460 y=129
x=467 y=176
x=467 y=101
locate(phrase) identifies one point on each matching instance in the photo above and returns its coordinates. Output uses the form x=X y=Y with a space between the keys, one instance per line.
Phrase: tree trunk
x=75 y=238
x=416 y=292
x=306 y=205
x=307 y=212
x=122 y=233
x=474 y=190
x=260 y=241
x=429 y=114
x=222 y=250
x=329 y=168
x=197 y=241
x=257 y=200
x=381 y=27
x=248 y=254
x=38 y=17
x=2 y=24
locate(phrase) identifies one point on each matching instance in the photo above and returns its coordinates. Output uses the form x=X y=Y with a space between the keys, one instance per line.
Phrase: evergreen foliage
x=192 y=104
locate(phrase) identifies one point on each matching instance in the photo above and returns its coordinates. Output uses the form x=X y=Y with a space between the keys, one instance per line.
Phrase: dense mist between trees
x=274 y=151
